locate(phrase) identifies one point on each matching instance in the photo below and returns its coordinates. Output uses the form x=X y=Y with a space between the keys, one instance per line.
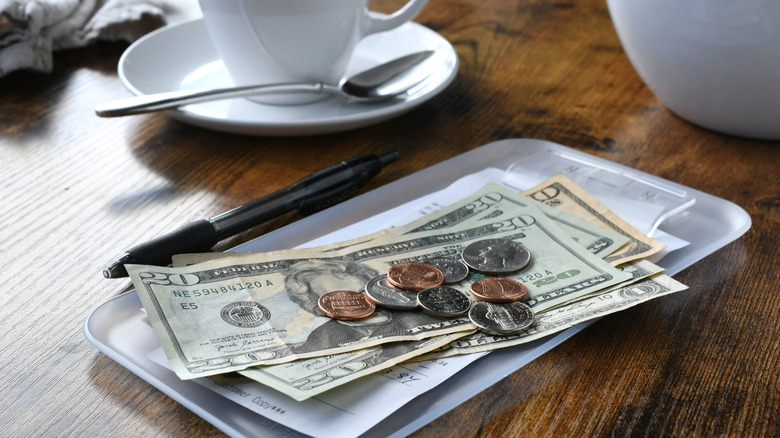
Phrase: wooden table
x=76 y=189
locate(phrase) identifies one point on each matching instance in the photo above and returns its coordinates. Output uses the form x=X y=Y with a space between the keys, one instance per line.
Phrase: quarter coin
x=496 y=256
x=501 y=319
x=385 y=295
x=454 y=270
x=443 y=301
x=414 y=276
x=346 y=305
x=498 y=289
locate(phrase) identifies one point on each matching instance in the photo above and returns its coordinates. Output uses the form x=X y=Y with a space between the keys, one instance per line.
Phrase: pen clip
x=337 y=194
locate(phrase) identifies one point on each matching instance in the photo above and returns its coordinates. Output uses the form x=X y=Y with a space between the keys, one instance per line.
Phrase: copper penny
x=498 y=289
x=414 y=276
x=346 y=305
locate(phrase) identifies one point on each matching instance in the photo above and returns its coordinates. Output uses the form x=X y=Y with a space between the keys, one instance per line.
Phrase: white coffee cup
x=715 y=63
x=280 y=41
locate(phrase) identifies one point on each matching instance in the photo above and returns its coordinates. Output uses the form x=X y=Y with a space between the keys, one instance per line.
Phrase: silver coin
x=501 y=319
x=496 y=256
x=443 y=301
x=385 y=295
x=454 y=270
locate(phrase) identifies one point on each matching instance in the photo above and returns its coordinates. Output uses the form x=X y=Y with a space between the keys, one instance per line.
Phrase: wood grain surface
x=76 y=190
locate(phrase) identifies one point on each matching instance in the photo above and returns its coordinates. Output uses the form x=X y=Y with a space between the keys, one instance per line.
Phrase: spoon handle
x=173 y=99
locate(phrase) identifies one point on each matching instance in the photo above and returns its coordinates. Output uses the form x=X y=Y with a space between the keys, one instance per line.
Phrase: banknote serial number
x=547 y=277
x=221 y=289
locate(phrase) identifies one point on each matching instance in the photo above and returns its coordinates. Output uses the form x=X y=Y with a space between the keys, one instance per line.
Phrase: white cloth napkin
x=31 y=30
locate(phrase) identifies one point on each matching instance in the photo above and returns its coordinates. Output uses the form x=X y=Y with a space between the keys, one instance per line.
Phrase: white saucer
x=181 y=56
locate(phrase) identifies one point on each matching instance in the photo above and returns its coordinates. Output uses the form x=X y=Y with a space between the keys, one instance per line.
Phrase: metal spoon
x=385 y=81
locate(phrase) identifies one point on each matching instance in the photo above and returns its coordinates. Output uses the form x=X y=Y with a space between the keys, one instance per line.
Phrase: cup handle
x=399 y=17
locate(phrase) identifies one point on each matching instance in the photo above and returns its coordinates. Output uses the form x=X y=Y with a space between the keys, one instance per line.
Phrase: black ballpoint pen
x=315 y=192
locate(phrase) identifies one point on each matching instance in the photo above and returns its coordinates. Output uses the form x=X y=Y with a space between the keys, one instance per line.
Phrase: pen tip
x=115 y=271
x=117 y=268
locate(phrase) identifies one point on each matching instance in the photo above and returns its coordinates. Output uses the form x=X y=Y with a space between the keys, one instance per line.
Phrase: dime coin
x=414 y=276
x=496 y=256
x=501 y=319
x=498 y=289
x=443 y=301
x=454 y=270
x=385 y=295
x=346 y=305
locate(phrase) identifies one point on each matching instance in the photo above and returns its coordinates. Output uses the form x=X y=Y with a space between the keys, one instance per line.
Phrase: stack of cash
x=257 y=314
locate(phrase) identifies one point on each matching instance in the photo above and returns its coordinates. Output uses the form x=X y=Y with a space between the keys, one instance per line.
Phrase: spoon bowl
x=385 y=81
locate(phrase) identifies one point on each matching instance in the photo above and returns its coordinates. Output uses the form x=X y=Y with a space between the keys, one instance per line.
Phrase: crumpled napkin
x=31 y=30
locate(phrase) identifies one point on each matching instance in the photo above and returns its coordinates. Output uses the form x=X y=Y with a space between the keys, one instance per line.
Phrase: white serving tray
x=120 y=329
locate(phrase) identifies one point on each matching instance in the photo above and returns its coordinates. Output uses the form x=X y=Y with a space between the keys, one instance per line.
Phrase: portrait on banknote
x=311 y=278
